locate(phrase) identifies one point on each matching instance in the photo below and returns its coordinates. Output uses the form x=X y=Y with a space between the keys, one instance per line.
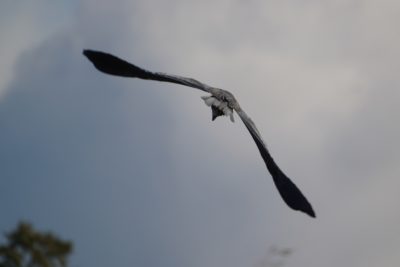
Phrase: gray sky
x=136 y=174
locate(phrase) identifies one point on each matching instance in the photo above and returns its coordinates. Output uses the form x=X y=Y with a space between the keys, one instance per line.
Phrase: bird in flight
x=222 y=103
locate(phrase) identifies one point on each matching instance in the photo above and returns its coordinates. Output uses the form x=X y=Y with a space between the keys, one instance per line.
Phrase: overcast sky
x=135 y=173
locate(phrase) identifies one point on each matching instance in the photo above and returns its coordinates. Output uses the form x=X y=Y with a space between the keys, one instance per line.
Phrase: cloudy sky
x=136 y=174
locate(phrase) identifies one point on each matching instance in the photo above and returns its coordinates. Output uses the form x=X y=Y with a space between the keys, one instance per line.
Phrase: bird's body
x=222 y=102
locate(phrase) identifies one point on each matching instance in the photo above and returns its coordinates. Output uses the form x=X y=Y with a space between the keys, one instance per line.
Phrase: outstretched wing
x=287 y=189
x=113 y=65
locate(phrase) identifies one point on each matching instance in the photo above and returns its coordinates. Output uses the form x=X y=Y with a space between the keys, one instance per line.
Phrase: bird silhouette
x=222 y=102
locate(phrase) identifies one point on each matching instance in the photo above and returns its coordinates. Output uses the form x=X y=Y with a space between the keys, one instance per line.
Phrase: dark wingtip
x=94 y=56
x=88 y=53
x=113 y=65
x=303 y=207
x=109 y=64
x=313 y=215
x=293 y=196
x=289 y=192
x=307 y=208
x=310 y=212
x=297 y=201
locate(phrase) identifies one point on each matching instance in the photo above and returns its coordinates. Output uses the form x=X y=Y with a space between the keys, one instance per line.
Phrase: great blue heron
x=221 y=102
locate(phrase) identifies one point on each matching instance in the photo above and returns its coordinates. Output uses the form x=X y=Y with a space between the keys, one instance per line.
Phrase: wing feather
x=113 y=65
x=287 y=189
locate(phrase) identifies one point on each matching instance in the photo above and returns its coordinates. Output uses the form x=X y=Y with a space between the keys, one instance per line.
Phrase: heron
x=222 y=103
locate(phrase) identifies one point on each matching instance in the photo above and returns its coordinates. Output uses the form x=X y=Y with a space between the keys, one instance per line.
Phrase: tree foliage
x=26 y=247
